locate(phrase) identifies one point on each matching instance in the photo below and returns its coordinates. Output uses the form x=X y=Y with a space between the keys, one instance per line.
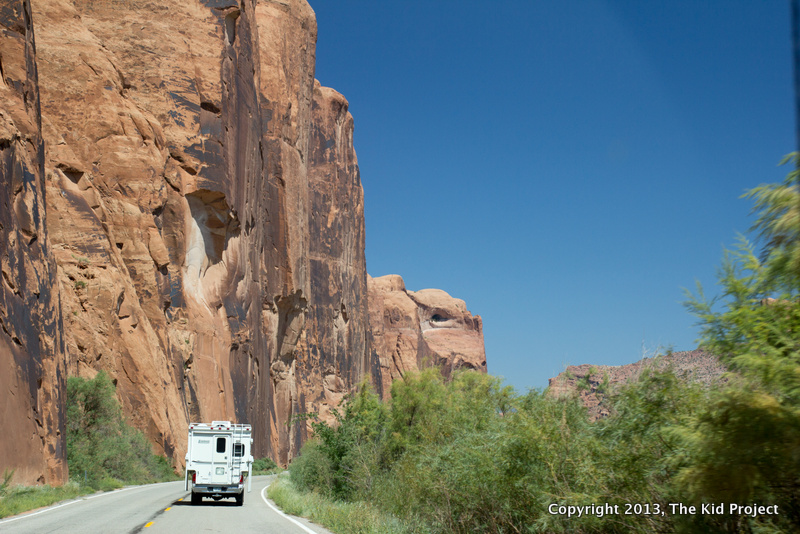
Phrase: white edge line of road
x=23 y=515
x=298 y=523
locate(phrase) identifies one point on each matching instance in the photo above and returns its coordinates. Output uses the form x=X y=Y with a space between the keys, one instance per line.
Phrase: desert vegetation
x=265 y=466
x=103 y=451
x=469 y=455
x=17 y=499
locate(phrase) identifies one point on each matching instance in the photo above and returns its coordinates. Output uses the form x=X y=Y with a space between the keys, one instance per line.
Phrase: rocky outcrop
x=594 y=383
x=413 y=329
x=32 y=378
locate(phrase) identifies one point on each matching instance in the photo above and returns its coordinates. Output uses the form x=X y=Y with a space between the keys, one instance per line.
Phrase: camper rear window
x=220 y=444
x=238 y=449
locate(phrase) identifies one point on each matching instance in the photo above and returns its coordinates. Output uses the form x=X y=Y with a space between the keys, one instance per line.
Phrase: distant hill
x=593 y=383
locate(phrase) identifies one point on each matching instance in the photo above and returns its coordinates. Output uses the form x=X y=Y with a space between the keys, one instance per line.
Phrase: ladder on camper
x=238 y=435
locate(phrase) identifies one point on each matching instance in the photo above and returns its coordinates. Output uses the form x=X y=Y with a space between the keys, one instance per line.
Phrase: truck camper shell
x=218 y=460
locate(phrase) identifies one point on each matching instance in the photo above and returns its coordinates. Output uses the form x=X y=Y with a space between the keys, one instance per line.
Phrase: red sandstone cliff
x=185 y=207
x=32 y=378
x=205 y=218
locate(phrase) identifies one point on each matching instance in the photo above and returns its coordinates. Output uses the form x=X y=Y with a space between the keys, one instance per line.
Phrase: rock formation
x=205 y=218
x=593 y=383
x=412 y=329
x=187 y=207
x=32 y=378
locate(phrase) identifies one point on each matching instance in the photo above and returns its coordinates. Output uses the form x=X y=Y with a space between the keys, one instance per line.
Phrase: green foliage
x=444 y=446
x=345 y=518
x=80 y=284
x=342 y=459
x=83 y=262
x=471 y=456
x=22 y=498
x=103 y=452
x=753 y=333
x=604 y=387
x=468 y=455
x=755 y=328
x=264 y=466
x=8 y=474
x=636 y=447
x=584 y=384
x=778 y=224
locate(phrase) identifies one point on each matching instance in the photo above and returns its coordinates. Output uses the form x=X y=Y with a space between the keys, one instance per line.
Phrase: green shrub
x=264 y=466
x=8 y=474
x=342 y=459
x=103 y=452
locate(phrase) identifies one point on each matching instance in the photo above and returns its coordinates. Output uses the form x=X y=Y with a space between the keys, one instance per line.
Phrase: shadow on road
x=206 y=502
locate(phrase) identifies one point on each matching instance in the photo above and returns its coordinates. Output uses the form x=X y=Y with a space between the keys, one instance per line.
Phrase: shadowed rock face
x=32 y=378
x=412 y=329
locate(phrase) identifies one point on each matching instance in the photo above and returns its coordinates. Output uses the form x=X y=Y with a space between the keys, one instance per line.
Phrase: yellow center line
x=180 y=499
x=168 y=509
x=150 y=524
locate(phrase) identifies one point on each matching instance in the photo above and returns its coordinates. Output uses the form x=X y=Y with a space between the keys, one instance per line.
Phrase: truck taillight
x=241 y=479
x=194 y=478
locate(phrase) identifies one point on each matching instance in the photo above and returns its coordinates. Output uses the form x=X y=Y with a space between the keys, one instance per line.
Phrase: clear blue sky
x=565 y=167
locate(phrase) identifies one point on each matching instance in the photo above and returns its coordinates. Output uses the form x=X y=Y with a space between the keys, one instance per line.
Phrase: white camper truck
x=218 y=460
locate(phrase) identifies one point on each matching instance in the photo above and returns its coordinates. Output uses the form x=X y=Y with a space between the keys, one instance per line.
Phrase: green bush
x=264 y=466
x=7 y=476
x=342 y=459
x=104 y=452
x=312 y=471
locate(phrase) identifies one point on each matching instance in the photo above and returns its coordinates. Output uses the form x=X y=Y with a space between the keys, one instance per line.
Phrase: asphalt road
x=160 y=508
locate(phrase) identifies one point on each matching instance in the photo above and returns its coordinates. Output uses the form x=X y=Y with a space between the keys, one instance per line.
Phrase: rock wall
x=192 y=163
x=205 y=218
x=338 y=312
x=32 y=378
x=413 y=329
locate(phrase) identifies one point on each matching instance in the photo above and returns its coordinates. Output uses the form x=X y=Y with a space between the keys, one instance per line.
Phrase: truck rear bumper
x=212 y=490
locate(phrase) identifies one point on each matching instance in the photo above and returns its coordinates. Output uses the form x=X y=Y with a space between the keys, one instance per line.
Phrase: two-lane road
x=161 y=508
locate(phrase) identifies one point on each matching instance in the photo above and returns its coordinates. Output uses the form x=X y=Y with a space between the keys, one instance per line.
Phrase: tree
x=744 y=445
x=778 y=224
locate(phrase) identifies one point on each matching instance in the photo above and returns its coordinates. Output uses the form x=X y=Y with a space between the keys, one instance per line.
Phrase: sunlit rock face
x=184 y=211
x=337 y=313
x=414 y=329
x=32 y=377
x=206 y=212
